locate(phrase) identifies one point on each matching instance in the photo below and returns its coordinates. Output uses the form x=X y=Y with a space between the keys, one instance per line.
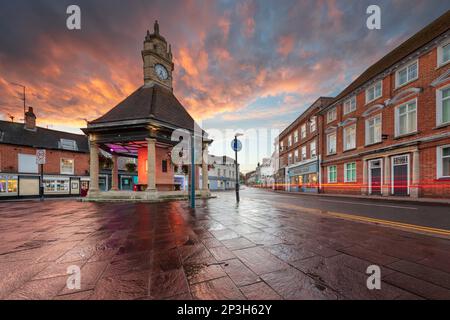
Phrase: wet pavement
x=257 y=250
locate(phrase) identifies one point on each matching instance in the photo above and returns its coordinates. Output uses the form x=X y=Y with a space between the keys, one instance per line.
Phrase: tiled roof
x=153 y=102
x=15 y=133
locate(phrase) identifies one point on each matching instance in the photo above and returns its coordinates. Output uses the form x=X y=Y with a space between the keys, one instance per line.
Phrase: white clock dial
x=161 y=72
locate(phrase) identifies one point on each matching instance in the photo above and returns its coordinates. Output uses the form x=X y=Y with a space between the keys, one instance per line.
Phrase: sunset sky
x=238 y=64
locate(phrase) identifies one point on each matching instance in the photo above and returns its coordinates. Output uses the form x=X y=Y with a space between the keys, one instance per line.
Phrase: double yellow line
x=391 y=223
x=367 y=219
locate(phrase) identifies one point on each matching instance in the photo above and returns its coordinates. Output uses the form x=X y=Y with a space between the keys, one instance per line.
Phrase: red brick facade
x=9 y=160
x=396 y=134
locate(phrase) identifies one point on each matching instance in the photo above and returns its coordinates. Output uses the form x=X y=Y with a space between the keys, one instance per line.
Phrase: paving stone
x=124 y=286
x=260 y=261
x=221 y=253
x=239 y=273
x=168 y=284
x=238 y=243
x=416 y=286
x=260 y=291
x=289 y=252
x=202 y=272
x=217 y=289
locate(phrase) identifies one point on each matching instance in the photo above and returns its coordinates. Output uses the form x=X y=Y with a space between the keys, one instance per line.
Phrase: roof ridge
x=42 y=128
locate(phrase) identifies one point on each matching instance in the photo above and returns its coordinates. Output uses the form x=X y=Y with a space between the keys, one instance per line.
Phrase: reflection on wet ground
x=167 y=251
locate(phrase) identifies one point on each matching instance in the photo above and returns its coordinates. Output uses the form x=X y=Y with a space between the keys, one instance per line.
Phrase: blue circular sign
x=236 y=145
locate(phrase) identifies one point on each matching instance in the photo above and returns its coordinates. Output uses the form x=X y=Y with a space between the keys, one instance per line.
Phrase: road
x=420 y=214
x=270 y=246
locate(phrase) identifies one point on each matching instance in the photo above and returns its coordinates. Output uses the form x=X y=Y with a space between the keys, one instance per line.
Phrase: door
x=74 y=186
x=375 y=177
x=400 y=176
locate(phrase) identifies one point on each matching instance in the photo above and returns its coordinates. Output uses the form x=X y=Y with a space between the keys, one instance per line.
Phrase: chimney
x=30 y=119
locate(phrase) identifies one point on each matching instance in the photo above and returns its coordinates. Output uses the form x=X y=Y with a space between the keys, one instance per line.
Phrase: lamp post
x=237 y=147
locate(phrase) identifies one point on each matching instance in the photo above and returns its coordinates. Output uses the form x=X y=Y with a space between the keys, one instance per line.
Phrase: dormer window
x=68 y=144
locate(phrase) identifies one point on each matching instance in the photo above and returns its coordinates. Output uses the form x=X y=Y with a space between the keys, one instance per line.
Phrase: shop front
x=304 y=178
x=280 y=179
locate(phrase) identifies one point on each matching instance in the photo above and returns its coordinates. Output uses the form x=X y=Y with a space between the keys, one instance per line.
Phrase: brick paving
x=166 y=251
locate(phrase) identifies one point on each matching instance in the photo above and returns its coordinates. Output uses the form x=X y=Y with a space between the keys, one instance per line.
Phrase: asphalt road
x=426 y=215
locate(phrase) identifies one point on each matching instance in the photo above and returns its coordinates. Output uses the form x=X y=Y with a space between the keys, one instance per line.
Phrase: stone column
x=364 y=187
x=205 y=159
x=115 y=173
x=414 y=189
x=385 y=191
x=93 y=167
x=151 y=165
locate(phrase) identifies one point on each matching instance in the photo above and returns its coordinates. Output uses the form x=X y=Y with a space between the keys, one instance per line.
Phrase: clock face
x=161 y=72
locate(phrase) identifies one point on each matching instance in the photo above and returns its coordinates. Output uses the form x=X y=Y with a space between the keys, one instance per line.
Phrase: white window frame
x=408 y=80
x=440 y=48
x=332 y=112
x=311 y=149
x=380 y=138
x=345 y=137
x=304 y=153
x=397 y=118
x=295 y=136
x=350 y=102
x=290 y=159
x=373 y=87
x=61 y=166
x=439 y=105
x=335 y=143
x=439 y=160
x=345 y=172
x=328 y=174
x=313 y=124
x=289 y=141
x=303 y=132
x=296 y=156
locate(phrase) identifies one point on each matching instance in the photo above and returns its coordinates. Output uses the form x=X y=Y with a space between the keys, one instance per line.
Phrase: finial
x=170 y=48
x=156 y=27
x=147 y=37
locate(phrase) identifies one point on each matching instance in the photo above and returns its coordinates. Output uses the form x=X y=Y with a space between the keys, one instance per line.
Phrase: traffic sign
x=40 y=156
x=236 y=145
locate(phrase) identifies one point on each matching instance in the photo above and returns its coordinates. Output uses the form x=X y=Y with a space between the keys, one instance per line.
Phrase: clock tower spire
x=157 y=57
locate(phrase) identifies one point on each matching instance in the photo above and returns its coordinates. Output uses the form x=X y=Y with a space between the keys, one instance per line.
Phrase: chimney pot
x=30 y=119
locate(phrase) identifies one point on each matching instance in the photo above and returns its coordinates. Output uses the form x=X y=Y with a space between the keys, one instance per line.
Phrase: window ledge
x=406 y=135
x=442 y=179
x=397 y=87
x=348 y=150
x=332 y=154
x=440 y=65
x=443 y=125
x=373 y=143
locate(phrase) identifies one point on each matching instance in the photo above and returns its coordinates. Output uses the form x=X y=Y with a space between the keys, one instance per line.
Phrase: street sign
x=236 y=145
x=40 y=156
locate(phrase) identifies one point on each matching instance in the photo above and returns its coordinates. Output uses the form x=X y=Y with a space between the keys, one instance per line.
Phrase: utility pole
x=236 y=146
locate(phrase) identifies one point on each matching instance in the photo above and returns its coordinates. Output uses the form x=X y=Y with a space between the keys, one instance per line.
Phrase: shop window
x=57 y=185
x=8 y=184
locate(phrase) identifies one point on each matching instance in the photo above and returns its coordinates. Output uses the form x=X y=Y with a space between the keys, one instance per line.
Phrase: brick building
x=67 y=160
x=388 y=132
x=299 y=151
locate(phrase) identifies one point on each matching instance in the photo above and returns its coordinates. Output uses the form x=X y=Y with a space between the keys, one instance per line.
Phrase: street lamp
x=237 y=148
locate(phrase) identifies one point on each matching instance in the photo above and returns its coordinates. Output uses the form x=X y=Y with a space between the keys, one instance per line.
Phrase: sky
x=250 y=66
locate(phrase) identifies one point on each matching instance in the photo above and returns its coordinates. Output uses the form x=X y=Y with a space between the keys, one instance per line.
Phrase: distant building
x=221 y=173
x=266 y=173
x=250 y=178
x=66 y=172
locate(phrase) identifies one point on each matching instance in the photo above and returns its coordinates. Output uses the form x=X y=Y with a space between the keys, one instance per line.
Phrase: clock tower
x=158 y=65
